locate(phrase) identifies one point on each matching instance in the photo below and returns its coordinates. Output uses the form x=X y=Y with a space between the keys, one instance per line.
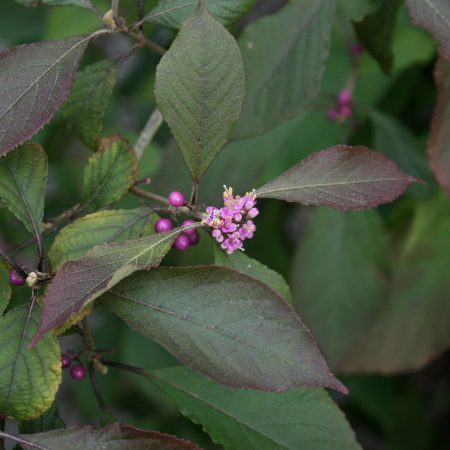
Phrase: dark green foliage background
x=404 y=412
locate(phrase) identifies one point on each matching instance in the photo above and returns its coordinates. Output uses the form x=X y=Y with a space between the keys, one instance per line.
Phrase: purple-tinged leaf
x=112 y=437
x=434 y=16
x=224 y=324
x=439 y=144
x=342 y=177
x=78 y=283
x=35 y=80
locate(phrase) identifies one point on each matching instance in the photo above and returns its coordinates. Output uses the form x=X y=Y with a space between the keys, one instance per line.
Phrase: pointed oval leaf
x=253 y=268
x=280 y=86
x=434 y=16
x=112 y=437
x=376 y=31
x=88 y=101
x=78 y=283
x=76 y=239
x=172 y=13
x=110 y=172
x=439 y=143
x=36 y=79
x=29 y=379
x=342 y=177
x=339 y=277
x=412 y=327
x=200 y=88
x=5 y=287
x=23 y=178
x=242 y=420
x=224 y=324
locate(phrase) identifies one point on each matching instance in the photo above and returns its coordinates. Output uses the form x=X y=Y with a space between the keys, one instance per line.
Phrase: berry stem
x=149 y=195
x=14 y=265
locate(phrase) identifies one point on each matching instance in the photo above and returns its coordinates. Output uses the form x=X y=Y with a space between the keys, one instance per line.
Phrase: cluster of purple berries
x=232 y=224
x=77 y=371
x=343 y=109
x=189 y=237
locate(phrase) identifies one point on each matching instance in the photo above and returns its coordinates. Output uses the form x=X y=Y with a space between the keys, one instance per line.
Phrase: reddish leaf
x=114 y=436
x=342 y=177
x=78 y=283
x=35 y=80
x=434 y=16
x=224 y=324
x=439 y=144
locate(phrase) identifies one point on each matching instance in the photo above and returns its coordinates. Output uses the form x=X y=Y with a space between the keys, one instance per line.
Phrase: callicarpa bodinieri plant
x=200 y=128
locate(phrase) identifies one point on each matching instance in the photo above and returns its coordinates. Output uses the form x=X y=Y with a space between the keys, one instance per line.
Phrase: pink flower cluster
x=233 y=223
x=343 y=108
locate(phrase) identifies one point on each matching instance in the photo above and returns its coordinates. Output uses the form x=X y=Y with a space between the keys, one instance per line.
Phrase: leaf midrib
x=340 y=183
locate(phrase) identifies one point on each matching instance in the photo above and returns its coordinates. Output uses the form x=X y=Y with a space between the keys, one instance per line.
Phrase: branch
x=22 y=441
x=13 y=264
x=149 y=196
x=147 y=134
x=115 y=9
x=144 y=42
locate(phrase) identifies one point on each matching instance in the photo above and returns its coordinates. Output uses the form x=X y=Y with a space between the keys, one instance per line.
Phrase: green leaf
x=305 y=419
x=29 y=379
x=342 y=177
x=88 y=101
x=78 y=283
x=200 y=88
x=36 y=79
x=223 y=324
x=399 y=144
x=5 y=287
x=50 y=420
x=76 y=239
x=253 y=268
x=83 y=3
x=110 y=172
x=411 y=329
x=339 y=277
x=173 y=13
x=112 y=437
x=280 y=86
x=376 y=30
x=434 y=16
x=23 y=178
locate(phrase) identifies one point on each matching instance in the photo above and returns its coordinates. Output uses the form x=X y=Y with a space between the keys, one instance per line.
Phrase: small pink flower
x=227 y=222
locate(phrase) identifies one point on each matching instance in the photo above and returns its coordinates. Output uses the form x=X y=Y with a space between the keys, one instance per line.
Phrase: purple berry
x=345 y=97
x=194 y=238
x=16 y=279
x=78 y=372
x=182 y=242
x=176 y=199
x=333 y=114
x=346 y=111
x=66 y=360
x=186 y=223
x=163 y=225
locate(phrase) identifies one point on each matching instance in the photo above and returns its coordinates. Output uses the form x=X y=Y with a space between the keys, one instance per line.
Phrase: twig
x=149 y=196
x=22 y=441
x=115 y=9
x=194 y=193
x=140 y=8
x=144 y=42
x=13 y=264
x=127 y=368
x=148 y=132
